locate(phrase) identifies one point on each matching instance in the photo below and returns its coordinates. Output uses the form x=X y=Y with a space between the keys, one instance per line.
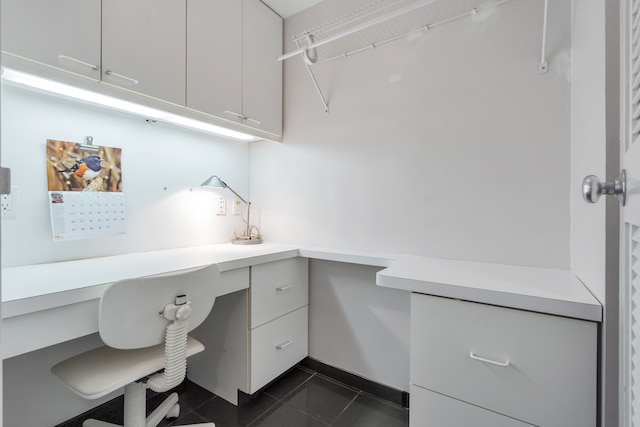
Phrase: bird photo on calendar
x=71 y=167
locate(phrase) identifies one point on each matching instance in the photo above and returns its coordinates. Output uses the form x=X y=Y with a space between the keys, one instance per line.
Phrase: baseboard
x=382 y=391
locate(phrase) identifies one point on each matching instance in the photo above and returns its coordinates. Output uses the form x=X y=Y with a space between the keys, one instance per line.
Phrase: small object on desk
x=249 y=236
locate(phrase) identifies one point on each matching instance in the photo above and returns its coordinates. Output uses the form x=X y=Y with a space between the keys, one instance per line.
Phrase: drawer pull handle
x=285 y=344
x=284 y=288
x=493 y=362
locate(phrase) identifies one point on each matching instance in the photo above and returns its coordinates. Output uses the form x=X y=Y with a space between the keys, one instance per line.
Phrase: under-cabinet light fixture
x=50 y=86
x=251 y=235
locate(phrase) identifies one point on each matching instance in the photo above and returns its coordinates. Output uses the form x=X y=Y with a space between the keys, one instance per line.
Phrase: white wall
x=154 y=157
x=588 y=131
x=358 y=326
x=448 y=145
x=595 y=150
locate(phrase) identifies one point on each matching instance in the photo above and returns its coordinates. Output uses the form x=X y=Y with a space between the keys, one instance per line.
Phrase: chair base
x=135 y=409
x=96 y=423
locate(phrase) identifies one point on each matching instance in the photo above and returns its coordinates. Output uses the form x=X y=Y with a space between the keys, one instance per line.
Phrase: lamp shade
x=214 y=181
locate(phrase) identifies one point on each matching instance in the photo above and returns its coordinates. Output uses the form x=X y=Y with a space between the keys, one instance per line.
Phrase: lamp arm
x=236 y=194
x=248 y=232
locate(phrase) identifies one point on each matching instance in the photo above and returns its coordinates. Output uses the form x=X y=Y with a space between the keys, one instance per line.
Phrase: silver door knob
x=593 y=188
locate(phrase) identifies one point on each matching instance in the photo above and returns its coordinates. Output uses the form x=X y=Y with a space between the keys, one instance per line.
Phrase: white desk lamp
x=247 y=238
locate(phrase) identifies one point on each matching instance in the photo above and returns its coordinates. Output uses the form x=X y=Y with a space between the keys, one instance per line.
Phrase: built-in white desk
x=542 y=317
x=544 y=290
x=46 y=304
x=493 y=344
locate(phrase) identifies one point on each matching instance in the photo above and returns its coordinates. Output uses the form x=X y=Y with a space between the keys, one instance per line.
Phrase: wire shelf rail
x=385 y=21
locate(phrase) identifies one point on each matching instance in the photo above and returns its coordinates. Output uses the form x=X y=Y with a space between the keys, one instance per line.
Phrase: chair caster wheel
x=174 y=411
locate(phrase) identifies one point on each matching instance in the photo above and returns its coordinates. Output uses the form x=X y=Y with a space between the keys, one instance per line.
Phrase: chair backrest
x=130 y=310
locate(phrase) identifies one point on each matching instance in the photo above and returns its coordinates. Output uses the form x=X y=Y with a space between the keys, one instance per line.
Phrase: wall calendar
x=84 y=190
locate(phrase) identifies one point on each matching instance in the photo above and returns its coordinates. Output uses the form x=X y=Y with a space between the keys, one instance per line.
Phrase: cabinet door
x=143 y=47
x=262 y=74
x=214 y=57
x=60 y=33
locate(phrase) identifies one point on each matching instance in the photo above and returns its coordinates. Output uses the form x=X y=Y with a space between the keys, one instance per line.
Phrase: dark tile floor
x=300 y=398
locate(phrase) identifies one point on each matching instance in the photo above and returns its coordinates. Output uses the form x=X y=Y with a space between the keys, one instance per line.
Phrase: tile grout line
x=346 y=407
x=280 y=400
x=313 y=374
x=283 y=402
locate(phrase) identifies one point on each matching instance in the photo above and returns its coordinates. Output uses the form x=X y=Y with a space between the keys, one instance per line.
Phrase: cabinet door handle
x=492 y=362
x=252 y=120
x=77 y=61
x=233 y=113
x=284 y=288
x=242 y=117
x=111 y=73
x=285 y=344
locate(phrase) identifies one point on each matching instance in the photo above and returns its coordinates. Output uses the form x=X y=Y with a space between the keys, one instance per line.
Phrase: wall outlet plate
x=9 y=203
x=221 y=205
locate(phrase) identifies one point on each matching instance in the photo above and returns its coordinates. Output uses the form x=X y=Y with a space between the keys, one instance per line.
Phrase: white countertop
x=545 y=290
x=33 y=288
x=30 y=288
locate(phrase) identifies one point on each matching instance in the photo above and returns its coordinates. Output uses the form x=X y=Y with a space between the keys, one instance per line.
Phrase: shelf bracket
x=309 y=57
x=544 y=65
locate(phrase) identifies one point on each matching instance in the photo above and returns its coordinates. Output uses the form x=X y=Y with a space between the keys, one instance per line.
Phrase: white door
x=630 y=216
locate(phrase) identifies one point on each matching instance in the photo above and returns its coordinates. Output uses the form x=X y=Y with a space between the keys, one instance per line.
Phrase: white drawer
x=429 y=409
x=551 y=377
x=278 y=288
x=233 y=280
x=277 y=346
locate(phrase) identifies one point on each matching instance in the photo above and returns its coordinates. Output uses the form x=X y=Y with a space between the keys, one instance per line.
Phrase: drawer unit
x=538 y=368
x=278 y=288
x=277 y=346
x=278 y=319
x=254 y=335
x=436 y=410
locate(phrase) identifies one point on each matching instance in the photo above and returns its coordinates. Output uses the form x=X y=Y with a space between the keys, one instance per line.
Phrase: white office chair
x=144 y=323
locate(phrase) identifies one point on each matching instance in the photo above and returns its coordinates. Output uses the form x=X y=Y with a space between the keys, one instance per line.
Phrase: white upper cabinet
x=143 y=47
x=59 y=33
x=231 y=67
x=214 y=57
x=261 y=73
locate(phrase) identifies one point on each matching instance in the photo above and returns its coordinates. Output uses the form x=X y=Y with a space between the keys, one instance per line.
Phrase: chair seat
x=98 y=372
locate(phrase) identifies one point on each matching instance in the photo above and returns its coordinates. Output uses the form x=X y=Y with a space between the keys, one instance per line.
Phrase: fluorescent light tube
x=118 y=104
